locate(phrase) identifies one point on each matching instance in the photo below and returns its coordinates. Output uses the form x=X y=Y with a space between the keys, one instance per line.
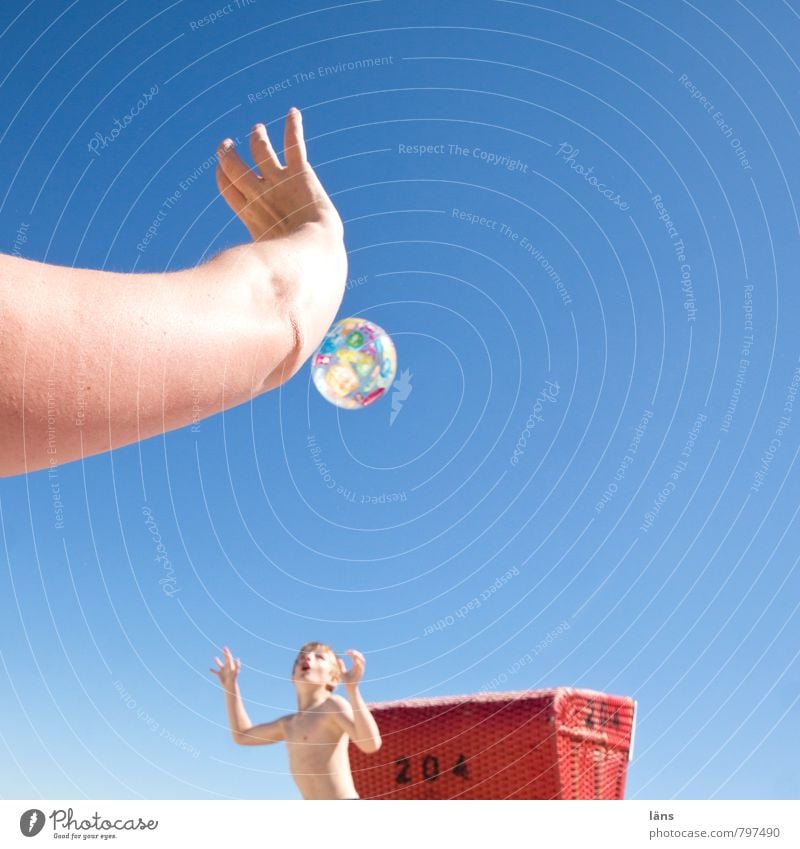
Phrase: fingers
x=358 y=664
x=294 y=145
x=226 y=666
x=264 y=155
x=234 y=198
x=242 y=177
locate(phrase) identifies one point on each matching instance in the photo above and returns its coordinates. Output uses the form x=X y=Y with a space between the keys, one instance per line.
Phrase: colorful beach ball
x=355 y=364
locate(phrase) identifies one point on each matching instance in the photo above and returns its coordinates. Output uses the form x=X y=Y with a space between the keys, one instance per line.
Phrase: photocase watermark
x=318 y=73
x=222 y=12
x=52 y=456
x=488 y=157
x=719 y=119
x=569 y=154
x=153 y=724
x=627 y=461
x=477 y=220
x=678 y=469
x=473 y=604
x=197 y=409
x=81 y=375
x=680 y=256
x=744 y=359
x=355 y=282
x=521 y=662
x=97 y=826
x=31 y=822
x=169 y=202
x=100 y=141
x=20 y=238
x=350 y=495
x=780 y=430
x=548 y=395
x=161 y=215
x=169 y=584
x=536 y=254
x=209 y=162
x=401 y=391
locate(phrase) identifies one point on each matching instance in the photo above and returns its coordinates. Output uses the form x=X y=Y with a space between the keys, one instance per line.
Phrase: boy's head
x=316 y=664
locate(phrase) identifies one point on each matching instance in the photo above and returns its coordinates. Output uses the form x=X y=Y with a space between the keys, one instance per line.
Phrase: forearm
x=95 y=360
x=368 y=737
x=238 y=720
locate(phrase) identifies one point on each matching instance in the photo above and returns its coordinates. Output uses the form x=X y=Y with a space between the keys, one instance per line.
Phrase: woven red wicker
x=536 y=744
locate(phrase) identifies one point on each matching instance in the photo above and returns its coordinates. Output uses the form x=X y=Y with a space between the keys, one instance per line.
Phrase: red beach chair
x=536 y=744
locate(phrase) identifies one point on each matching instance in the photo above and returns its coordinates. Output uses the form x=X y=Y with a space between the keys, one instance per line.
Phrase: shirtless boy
x=317 y=735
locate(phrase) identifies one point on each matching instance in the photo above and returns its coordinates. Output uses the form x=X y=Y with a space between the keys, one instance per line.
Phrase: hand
x=228 y=670
x=275 y=200
x=351 y=678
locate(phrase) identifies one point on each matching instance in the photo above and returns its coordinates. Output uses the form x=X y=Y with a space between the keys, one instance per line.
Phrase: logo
x=402 y=389
x=31 y=822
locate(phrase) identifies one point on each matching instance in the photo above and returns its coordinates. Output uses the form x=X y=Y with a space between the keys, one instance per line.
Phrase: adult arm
x=93 y=360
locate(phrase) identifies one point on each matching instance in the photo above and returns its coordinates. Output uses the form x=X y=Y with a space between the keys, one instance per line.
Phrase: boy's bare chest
x=310 y=726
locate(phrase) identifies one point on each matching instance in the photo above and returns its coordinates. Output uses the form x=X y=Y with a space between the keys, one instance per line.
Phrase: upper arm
x=342 y=716
x=259 y=735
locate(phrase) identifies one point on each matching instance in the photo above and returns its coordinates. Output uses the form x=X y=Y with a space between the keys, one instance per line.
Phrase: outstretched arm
x=354 y=718
x=93 y=360
x=243 y=731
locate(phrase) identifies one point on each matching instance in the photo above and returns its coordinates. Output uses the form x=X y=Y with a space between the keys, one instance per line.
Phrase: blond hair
x=326 y=649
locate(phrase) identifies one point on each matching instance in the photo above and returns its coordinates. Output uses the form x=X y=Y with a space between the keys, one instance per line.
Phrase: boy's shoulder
x=339 y=704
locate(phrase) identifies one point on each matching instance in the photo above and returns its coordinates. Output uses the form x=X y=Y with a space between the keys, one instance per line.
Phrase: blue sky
x=579 y=226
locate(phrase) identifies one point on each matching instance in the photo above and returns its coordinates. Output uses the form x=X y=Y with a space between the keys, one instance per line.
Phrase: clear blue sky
x=541 y=254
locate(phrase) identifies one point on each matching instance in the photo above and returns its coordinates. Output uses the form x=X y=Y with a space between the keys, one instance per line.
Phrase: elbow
x=293 y=361
x=369 y=747
x=240 y=738
x=299 y=351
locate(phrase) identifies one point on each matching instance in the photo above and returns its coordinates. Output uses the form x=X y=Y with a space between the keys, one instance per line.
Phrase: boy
x=317 y=735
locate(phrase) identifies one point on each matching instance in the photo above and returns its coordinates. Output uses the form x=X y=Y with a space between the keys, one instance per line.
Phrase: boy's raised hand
x=353 y=676
x=227 y=669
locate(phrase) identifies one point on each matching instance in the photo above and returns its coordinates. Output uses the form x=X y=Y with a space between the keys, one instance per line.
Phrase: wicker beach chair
x=537 y=744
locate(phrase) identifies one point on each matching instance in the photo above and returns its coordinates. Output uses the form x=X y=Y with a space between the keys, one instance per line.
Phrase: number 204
x=429 y=767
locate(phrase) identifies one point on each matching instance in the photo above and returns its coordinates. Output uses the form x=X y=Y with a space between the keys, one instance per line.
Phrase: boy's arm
x=243 y=731
x=354 y=717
